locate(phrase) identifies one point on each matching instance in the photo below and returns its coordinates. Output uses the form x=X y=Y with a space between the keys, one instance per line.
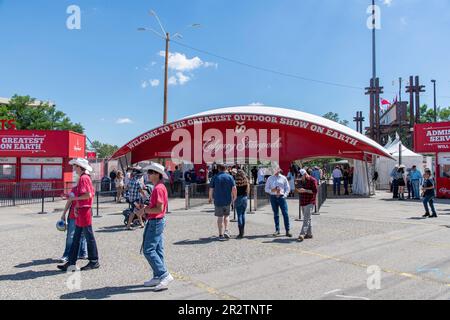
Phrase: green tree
x=335 y=117
x=29 y=116
x=103 y=150
x=427 y=114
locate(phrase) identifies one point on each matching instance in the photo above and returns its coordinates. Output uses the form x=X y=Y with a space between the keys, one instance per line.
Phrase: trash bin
x=105 y=184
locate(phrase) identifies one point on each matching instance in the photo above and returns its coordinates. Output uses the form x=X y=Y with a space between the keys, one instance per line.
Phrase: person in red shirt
x=84 y=197
x=307 y=187
x=70 y=206
x=153 y=242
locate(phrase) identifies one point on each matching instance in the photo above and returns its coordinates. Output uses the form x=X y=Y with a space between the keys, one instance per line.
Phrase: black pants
x=395 y=188
x=91 y=245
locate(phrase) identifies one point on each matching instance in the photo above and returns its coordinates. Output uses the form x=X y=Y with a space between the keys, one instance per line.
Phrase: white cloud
x=178 y=79
x=153 y=63
x=211 y=64
x=387 y=2
x=184 y=67
x=124 y=121
x=154 y=82
x=179 y=61
x=256 y=104
x=172 y=81
x=403 y=21
x=182 y=78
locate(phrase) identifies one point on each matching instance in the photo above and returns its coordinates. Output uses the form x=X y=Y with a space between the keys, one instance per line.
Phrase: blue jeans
x=280 y=203
x=82 y=252
x=416 y=188
x=153 y=247
x=426 y=200
x=91 y=244
x=241 y=207
x=337 y=186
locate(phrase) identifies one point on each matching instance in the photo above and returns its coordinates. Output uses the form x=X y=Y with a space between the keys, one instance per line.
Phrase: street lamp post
x=166 y=36
x=166 y=76
x=435 y=106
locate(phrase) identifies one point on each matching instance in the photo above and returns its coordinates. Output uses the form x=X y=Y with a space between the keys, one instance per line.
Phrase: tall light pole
x=374 y=51
x=435 y=106
x=166 y=36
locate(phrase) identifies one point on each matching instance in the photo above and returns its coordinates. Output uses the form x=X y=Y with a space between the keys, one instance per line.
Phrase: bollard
x=42 y=198
x=186 y=197
x=14 y=194
x=299 y=209
x=251 y=195
x=234 y=214
x=96 y=194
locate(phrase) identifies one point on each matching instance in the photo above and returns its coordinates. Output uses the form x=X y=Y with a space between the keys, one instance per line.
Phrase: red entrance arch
x=255 y=133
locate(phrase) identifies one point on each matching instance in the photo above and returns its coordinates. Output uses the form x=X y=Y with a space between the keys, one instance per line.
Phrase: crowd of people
x=146 y=192
x=410 y=181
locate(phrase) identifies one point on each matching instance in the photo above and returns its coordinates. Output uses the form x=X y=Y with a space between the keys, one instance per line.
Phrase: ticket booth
x=39 y=158
x=434 y=139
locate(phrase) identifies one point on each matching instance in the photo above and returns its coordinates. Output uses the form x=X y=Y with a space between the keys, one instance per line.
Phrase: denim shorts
x=221 y=212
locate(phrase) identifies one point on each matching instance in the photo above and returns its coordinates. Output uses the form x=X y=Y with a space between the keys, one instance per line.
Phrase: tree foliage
x=335 y=117
x=427 y=114
x=103 y=150
x=37 y=117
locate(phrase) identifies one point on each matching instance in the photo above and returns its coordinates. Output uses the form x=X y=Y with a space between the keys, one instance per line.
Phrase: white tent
x=384 y=166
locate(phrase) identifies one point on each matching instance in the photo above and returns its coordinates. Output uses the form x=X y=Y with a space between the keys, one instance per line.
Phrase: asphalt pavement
x=363 y=249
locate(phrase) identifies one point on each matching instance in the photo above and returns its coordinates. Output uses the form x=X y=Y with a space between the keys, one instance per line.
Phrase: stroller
x=143 y=201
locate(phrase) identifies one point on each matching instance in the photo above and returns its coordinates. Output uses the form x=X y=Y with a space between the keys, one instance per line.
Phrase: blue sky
x=109 y=76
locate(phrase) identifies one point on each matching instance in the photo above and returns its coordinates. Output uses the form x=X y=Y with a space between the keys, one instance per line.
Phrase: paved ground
x=350 y=235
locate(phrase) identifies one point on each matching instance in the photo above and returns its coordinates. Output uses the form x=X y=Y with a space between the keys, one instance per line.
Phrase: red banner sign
x=432 y=137
x=38 y=143
x=92 y=155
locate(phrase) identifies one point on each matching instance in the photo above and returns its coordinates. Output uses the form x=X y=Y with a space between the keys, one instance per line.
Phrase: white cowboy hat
x=83 y=163
x=158 y=168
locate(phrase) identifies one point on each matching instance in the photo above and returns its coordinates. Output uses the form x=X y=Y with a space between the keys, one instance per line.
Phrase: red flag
x=385 y=102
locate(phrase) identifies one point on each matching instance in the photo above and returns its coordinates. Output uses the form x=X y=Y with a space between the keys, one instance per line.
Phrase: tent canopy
x=289 y=134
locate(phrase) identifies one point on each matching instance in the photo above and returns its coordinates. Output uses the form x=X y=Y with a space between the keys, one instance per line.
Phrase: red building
x=434 y=139
x=38 y=157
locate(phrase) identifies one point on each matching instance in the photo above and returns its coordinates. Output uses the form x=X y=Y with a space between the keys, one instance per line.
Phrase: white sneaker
x=64 y=260
x=164 y=283
x=152 y=283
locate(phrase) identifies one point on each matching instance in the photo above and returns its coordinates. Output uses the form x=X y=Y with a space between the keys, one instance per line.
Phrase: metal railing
x=196 y=195
x=24 y=193
x=258 y=197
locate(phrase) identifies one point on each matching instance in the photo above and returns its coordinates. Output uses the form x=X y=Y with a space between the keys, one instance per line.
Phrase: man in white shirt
x=278 y=188
x=337 y=177
x=261 y=175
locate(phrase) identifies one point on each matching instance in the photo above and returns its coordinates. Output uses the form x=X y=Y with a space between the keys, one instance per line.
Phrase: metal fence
x=13 y=194
x=196 y=195
x=258 y=197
